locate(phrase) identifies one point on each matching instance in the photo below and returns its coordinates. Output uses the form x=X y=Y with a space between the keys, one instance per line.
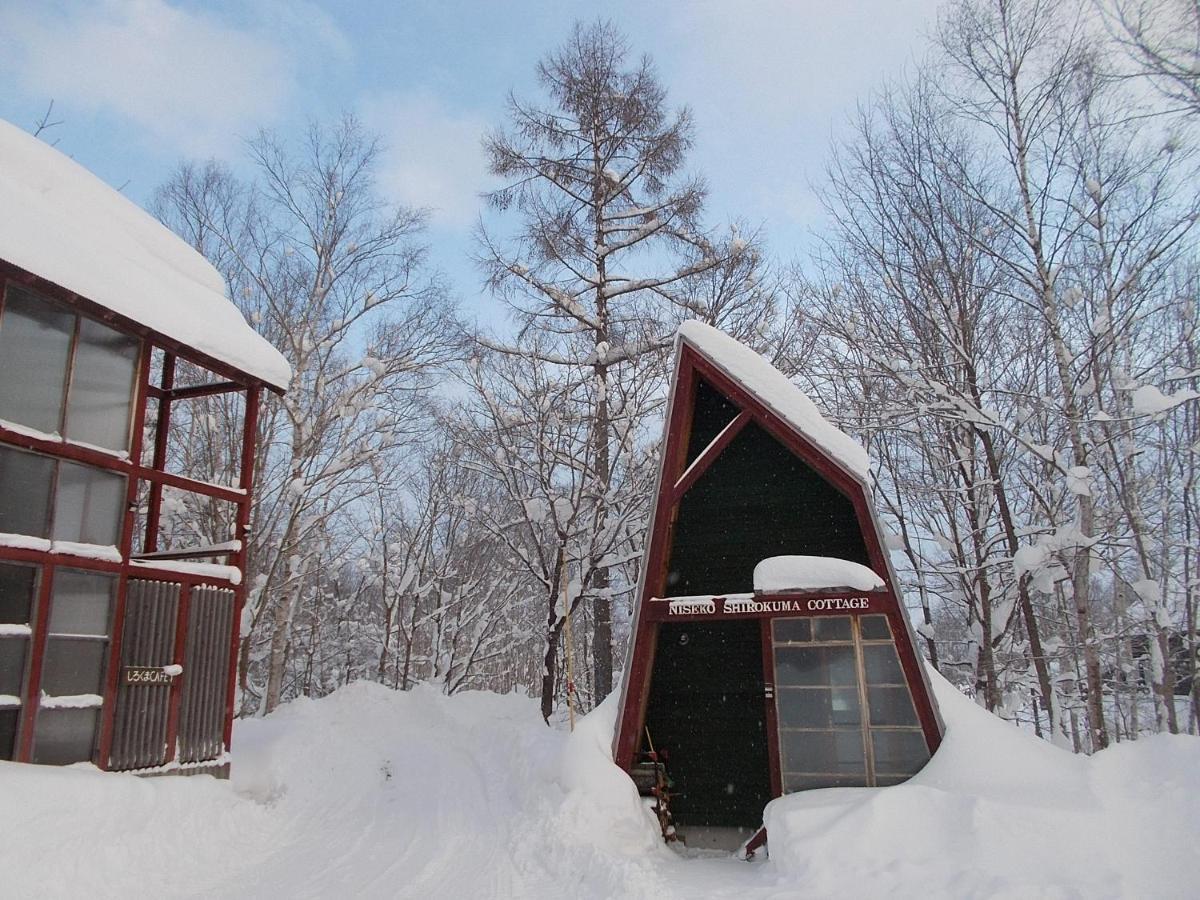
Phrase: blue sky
x=141 y=84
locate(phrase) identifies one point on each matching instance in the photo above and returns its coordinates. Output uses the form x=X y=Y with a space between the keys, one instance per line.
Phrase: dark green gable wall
x=756 y=500
x=706 y=706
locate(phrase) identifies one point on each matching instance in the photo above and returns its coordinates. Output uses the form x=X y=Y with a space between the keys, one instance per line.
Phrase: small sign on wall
x=149 y=675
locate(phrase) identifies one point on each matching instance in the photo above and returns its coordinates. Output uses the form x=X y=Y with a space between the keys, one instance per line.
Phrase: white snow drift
x=373 y=793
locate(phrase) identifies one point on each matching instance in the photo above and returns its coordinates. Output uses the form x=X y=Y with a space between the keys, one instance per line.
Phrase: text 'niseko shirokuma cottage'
x=118 y=639
x=770 y=650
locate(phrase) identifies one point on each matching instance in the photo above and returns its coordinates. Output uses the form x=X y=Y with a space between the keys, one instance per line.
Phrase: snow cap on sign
x=772 y=388
x=779 y=574
x=65 y=225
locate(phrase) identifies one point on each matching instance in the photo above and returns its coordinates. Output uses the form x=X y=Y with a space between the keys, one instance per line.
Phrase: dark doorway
x=707 y=711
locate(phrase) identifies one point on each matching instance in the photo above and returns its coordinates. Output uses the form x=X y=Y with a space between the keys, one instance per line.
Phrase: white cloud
x=433 y=158
x=188 y=78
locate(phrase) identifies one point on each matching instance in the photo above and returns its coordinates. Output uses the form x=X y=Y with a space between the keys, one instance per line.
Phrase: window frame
x=64 y=403
x=865 y=729
x=52 y=508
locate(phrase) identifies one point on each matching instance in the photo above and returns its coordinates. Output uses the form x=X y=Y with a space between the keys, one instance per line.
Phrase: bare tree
x=609 y=243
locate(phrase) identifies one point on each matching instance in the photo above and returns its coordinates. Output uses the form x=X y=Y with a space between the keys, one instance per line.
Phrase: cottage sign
x=732 y=606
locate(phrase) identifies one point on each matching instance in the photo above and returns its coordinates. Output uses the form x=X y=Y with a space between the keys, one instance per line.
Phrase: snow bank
x=998 y=813
x=374 y=793
x=64 y=224
x=813 y=573
x=778 y=394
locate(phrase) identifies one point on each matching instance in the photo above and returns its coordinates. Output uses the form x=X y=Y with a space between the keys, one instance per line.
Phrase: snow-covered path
x=372 y=793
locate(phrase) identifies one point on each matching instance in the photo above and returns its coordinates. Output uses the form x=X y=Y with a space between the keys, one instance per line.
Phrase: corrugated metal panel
x=140 y=726
x=205 y=670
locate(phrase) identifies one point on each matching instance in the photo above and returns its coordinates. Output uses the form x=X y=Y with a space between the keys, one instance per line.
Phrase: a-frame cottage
x=770 y=651
x=118 y=637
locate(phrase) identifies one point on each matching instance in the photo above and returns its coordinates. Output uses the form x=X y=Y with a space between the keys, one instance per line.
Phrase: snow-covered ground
x=374 y=793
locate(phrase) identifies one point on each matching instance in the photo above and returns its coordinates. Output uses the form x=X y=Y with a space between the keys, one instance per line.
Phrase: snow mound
x=813 y=573
x=998 y=813
x=779 y=395
x=376 y=793
x=64 y=224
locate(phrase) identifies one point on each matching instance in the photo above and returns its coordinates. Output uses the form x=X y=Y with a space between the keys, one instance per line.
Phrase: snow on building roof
x=65 y=225
x=772 y=388
x=779 y=574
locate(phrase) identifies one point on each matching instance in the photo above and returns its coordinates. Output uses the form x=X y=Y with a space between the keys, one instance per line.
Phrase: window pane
x=81 y=602
x=838 y=752
x=818 y=707
x=882 y=665
x=102 y=386
x=793 y=783
x=831 y=628
x=8 y=732
x=64 y=736
x=899 y=752
x=891 y=706
x=12 y=664
x=875 y=628
x=35 y=342
x=792 y=630
x=73 y=666
x=88 y=504
x=25 y=486
x=16 y=594
x=815 y=666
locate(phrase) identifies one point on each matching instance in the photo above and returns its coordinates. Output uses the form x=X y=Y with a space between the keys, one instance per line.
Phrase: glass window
x=102 y=387
x=12 y=665
x=891 y=706
x=793 y=782
x=792 y=631
x=16 y=594
x=838 y=695
x=35 y=346
x=875 y=628
x=838 y=752
x=899 y=752
x=88 y=504
x=815 y=666
x=883 y=667
x=82 y=603
x=25 y=482
x=73 y=666
x=8 y=731
x=832 y=628
x=64 y=736
x=818 y=707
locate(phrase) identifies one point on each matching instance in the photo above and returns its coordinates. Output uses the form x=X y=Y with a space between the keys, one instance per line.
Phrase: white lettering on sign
x=706 y=606
x=830 y=603
x=693 y=606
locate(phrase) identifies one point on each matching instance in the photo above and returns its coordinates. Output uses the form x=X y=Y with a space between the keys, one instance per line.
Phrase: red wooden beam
x=37 y=650
x=161 y=430
x=116 y=632
x=708 y=455
x=197 y=390
x=242 y=534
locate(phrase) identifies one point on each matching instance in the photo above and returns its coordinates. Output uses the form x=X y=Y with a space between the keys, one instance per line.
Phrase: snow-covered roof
x=772 y=388
x=780 y=574
x=65 y=225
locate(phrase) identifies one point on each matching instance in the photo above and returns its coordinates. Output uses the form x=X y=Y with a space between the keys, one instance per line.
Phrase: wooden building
x=114 y=649
x=770 y=650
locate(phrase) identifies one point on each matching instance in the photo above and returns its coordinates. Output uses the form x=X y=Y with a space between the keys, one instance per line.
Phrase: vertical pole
x=37 y=647
x=570 y=652
x=116 y=629
x=160 y=452
x=242 y=534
